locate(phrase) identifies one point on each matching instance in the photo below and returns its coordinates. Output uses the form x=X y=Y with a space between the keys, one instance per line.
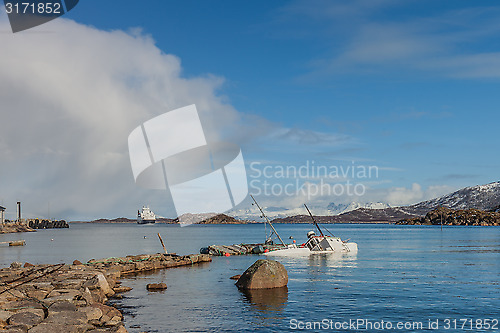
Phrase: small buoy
x=266 y=250
x=52 y=239
x=144 y=237
x=294 y=241
x=226 y=254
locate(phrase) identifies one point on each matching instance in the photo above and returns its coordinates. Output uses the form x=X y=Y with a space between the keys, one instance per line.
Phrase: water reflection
x=267 y=300
x=397 y=268
x=267 y=305
x=334 y=260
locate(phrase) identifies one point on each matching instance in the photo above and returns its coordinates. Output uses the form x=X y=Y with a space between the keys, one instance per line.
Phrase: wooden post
x=161 y=241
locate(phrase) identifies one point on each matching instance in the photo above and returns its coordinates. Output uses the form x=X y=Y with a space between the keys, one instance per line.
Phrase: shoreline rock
x=13 y=227
x=461 y=217
x=156 y=286
x=263 y=274
x=72 y=298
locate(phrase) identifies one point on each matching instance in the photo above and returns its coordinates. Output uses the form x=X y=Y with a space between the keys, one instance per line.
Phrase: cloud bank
x=71 y=94
x=69 y=97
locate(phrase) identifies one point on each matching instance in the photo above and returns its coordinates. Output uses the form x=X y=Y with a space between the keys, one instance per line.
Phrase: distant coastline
x=218 y=219
x=472 y=217
x=124 y=220
x=226 y=219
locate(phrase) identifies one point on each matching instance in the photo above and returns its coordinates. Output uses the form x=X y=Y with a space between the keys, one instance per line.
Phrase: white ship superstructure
x=146 y=216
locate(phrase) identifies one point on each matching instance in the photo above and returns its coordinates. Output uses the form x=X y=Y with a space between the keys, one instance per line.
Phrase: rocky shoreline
x=217 y=219
x=461 y=217
x=13 y=227
x=72 y=298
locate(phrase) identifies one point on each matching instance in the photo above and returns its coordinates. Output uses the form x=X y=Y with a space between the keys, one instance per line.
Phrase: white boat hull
x=294 y=251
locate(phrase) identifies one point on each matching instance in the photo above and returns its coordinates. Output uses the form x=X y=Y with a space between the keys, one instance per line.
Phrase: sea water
x=403 y=278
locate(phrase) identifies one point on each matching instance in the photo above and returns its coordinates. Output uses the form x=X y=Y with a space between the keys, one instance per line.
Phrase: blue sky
x=408 y=86
x=373 y=70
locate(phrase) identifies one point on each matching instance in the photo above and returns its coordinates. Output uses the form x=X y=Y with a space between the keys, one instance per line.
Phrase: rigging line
x=328 y=231
x=268 y=221
x=314 y=221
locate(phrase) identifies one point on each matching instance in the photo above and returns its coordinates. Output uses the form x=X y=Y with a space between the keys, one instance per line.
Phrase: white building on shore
x=2 y=214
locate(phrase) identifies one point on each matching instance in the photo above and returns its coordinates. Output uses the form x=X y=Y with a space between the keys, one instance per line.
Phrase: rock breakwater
x=72 y=298
x=11 y=227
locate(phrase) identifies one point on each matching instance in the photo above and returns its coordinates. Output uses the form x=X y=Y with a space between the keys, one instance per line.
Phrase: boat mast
x=314 y=221
x=268 y=221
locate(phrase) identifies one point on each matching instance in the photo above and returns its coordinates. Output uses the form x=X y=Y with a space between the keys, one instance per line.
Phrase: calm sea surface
x=406 y=275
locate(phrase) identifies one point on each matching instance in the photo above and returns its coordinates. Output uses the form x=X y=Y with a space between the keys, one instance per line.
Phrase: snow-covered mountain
x=252 y=213
x=336 y=209
x=482 y=197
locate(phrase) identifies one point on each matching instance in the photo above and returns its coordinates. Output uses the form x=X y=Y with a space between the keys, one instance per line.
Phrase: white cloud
x=71 y=94
x=435 y=191
x=480 y=65
x=452 y=43
x=69 y=98
x=401 y=196
x=313 y=193
x=308 y=137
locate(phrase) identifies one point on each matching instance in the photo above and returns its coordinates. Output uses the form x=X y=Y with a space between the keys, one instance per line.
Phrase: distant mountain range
x=482 y=197
x=336 y=209
x=280 y=212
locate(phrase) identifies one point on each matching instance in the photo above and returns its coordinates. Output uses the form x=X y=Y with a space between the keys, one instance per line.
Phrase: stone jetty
x=72 y=298
x=11 y=227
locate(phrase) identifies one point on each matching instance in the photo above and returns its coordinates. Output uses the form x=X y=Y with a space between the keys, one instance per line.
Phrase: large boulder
x=263 y=274
x=99 y=282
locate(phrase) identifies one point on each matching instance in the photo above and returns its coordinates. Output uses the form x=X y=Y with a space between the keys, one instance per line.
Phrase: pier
x=238 y=249
x=47 y=224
